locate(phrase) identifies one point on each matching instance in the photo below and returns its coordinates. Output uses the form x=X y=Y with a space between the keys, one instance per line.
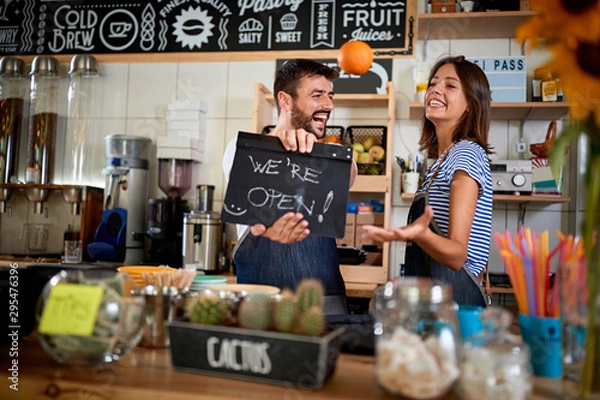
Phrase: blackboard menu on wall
x=30 y=27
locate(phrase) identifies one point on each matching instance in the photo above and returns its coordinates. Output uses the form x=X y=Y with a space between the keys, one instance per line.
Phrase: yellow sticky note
x=71 y=309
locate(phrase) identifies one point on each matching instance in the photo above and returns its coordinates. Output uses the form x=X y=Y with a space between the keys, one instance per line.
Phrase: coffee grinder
x=120 y=236
x=165 y=215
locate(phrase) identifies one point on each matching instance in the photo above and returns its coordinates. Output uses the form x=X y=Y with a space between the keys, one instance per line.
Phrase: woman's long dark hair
x=473 y=125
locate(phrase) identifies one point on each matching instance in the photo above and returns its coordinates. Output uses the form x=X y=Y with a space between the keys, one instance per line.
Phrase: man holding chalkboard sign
x=285 y=253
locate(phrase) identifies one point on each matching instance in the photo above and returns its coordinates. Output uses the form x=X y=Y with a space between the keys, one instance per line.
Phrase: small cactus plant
x=255 y=311
x=206 y=308
x=309 y=293
x=284 y=311
x=312 y=321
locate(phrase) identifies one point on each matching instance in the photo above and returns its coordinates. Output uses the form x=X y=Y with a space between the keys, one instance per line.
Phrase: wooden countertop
x=147 y=373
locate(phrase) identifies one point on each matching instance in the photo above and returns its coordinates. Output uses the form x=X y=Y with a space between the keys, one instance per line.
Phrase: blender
x=165 y=215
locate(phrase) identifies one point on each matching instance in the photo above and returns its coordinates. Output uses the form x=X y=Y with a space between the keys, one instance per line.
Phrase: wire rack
x=358 y=134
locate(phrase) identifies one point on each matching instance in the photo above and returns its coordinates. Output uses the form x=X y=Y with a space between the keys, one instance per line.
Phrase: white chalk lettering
x=263 y=197
x=8 y=35
x=167 y=8
x=309 y=175
x=238 y=355
x=270 y=167
x=71 y=40
x=373 y=17
x=288 y=37
x=249 y=37
x=75 y=19
x=219 y=6
x=258 y=6
x=371 y=35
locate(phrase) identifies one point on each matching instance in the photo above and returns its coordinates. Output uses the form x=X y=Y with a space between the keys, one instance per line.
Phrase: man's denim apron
x=262 y=261
x=466 y=289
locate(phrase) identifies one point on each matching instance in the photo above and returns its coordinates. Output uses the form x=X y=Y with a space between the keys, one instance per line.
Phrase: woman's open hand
x=406 y=233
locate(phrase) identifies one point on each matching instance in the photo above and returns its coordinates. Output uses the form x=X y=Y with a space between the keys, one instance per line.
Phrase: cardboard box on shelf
x=376 y=219
x=348 y=239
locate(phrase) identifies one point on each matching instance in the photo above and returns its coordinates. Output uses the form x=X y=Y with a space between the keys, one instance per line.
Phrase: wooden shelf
x=475 y=25
x=518 y=199
x=371 y=184
x=513 y=111
x=511 y=198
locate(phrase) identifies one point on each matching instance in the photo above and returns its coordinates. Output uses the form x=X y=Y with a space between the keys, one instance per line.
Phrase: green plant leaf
x=561 y=145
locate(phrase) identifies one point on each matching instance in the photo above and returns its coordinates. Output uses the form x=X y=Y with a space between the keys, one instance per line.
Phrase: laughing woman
x=450 y=221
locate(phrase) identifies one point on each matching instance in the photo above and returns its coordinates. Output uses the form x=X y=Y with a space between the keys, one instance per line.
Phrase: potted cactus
x=280 y=339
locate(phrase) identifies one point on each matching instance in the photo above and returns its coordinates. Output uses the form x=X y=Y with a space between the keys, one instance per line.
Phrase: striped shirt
x=469 y=157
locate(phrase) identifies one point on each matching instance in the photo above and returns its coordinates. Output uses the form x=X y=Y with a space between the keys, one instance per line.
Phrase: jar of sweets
x=495 y=364
x=416 y=339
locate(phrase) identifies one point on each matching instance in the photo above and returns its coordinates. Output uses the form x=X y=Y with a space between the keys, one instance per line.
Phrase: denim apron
x=263 y=261
x=466 y=290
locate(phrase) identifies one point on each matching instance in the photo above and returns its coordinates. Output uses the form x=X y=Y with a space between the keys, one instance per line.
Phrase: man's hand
x=295 y=139
x=290 y=228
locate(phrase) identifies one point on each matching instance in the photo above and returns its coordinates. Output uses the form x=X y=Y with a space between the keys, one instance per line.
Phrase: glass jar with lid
x=44 y=104
x=78 y=167
x=495 y=364
x=416 y=339
x=12 y=99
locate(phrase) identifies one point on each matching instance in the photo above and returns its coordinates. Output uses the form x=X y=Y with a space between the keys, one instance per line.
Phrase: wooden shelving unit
x=486 y=25
x=474 y=25
x=360 y=279
x=511 y=198
x=513 y=111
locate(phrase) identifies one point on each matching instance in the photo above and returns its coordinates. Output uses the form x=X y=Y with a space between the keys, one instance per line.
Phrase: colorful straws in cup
x=527 y=260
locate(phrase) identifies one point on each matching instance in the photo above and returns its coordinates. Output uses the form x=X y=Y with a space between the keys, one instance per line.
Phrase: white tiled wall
x=132 y=99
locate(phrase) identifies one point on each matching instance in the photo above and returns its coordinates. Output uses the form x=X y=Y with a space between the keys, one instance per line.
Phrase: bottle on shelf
x=421 y=76
x=536 y=81
x=549 y=87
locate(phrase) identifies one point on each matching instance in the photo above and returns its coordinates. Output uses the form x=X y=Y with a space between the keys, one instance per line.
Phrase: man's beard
x=300 y=120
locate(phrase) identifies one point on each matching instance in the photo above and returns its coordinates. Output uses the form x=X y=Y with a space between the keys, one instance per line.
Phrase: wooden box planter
x=299 y=361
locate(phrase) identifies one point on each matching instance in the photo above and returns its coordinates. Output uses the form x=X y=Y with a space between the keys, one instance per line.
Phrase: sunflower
x=556 y=19
x=578 y=65
x=570 y=29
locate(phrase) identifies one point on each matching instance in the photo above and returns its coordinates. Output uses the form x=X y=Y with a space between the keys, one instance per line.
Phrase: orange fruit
x=332 y=139
x=355 y=57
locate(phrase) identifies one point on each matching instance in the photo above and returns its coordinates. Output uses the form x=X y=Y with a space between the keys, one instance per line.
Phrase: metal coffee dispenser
x=12 y=100
x=203 y=235
x=120 y=235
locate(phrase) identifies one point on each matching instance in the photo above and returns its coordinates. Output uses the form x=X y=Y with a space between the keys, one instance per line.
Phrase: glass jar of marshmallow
x=495 y=363
x=416 y=338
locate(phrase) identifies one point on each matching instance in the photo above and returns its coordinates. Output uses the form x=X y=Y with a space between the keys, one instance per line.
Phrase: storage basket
x=357 y=134
x=543 y=149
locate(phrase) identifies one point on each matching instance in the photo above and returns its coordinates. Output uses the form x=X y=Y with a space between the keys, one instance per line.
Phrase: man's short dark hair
x=292 y=71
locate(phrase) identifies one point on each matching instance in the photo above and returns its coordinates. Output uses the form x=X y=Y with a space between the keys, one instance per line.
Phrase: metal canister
x=203 y=242
x=204 y=198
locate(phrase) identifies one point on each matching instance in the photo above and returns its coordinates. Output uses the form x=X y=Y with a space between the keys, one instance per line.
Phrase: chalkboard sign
x=30 y=27
x=267 y=181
